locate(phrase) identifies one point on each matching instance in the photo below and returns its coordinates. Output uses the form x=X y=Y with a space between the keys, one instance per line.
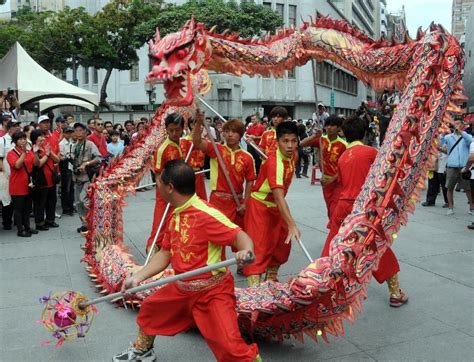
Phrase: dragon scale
x=332 y=288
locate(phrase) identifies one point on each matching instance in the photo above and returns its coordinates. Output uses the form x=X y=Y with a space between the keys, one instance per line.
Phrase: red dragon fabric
x=331 y=288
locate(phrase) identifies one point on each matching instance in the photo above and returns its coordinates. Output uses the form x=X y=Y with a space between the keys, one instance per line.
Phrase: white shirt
x=6 y=145
x=471 y=151
x=442 y=162
x=66 y=150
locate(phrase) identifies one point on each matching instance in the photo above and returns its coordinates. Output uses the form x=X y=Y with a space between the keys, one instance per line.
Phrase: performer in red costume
x=168 y=150
x=353 y=167
x=331 y=148
x=238 y=163
x=268 y=142
x=268 y=219
x=196 y=235
x=196 y=160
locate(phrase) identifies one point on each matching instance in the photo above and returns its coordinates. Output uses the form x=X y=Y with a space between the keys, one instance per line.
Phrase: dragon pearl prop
x=332 y=288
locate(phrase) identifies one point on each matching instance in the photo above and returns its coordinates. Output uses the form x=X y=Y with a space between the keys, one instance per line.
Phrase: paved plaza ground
x=435 y=254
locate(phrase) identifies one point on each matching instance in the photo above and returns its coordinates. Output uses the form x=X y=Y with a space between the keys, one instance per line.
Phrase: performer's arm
x=248 y=191
x=293 y=231
x=158 y=262
x=244 y=245
x=198 y=141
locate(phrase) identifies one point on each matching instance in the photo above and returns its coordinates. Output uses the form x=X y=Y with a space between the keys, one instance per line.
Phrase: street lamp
x=150 y=91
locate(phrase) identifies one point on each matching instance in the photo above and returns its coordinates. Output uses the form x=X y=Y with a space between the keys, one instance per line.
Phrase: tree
x=113 y=44
x=246 y=17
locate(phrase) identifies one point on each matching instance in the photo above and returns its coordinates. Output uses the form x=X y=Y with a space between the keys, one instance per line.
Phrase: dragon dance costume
x=167 y=151
x=196 y=237
x=263 y=221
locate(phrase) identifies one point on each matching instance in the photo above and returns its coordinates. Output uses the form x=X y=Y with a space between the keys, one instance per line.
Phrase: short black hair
x=278 y=112
x=114 y=133
x=128 y=122
x=35 y=134
x=286 y=127
x=108 y=122
x=354 y=128
x=174 y=118
x=89 y=121
x=17 y=136
x=333 y=120
x=180 y=175
x=79 y=125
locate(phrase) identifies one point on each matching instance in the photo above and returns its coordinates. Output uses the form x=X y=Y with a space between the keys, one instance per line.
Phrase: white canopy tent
x=51 y=103
x=19 y=71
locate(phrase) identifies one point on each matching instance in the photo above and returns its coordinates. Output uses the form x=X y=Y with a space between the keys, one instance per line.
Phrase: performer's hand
x=241 y=209
x=244 y=257
x=130 y=282
x=293 y=233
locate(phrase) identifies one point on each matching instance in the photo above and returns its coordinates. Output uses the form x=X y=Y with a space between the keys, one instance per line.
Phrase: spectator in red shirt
x=44 y=194
x=99 y=139
x=269 y=142
x=254 y=134
x=21 y=162
x=353 y=168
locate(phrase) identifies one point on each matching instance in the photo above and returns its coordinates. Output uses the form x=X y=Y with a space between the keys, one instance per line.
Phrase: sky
x=423 y=12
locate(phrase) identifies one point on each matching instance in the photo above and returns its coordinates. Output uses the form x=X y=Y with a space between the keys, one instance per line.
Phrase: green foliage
x=246 y=18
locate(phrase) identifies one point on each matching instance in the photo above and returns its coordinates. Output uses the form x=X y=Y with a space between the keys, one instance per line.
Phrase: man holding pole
x=168 y=150
x=196 y=235
x=239 y=165
x=268 y=219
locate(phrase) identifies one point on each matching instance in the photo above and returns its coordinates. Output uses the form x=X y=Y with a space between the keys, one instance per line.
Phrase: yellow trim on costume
x=214 y=255
x=161 y=149
x=216 y=214
x=355 y=143
x=343 y=141
x=214 y=165
x=280 y=167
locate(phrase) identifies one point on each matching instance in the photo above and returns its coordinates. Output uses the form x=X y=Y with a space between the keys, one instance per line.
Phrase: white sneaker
x=471 y=212
x=133 y=354
x=450 y=212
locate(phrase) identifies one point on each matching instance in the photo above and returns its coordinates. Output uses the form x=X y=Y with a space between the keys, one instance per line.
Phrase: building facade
x=460 y=13
x=239 y=97
x=468 y=78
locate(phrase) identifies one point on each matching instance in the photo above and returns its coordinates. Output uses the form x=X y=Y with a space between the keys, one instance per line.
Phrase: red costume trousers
x=268 y=230
x=160 y=207
x=331 y=195
x=170 y=311
x=227 y=206
x=201 y=187
x=388 y=265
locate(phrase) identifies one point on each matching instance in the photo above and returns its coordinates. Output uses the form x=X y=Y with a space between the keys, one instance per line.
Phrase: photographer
x=21 y=162
x=66 y=147
x=9 y=103
x=86 y=160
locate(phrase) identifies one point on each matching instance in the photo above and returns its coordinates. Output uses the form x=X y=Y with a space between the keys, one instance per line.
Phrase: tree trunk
x=103 y=90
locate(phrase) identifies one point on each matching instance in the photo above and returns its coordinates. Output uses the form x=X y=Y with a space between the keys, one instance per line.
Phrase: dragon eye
x=181 y=53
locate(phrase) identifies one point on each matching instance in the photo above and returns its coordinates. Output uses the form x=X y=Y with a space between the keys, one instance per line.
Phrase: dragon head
x=175 y=58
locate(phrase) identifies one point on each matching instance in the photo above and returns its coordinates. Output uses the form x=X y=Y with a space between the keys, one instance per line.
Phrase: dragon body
x=332 y=288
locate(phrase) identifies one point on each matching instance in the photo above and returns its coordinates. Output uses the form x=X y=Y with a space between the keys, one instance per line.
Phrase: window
x=292 y=73
x=267 y=4
x=85 y=76
x=292 y=15
x=95 y=76
x=135 y=72
x=342 y=81
x=280 y=9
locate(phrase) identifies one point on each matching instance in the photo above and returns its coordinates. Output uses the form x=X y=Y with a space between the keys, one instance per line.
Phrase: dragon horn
x=213 y=29
x=157 y=34
x=419 y=33
x=225 y=32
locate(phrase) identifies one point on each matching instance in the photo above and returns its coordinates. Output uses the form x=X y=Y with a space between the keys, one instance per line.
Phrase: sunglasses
x=99 y=124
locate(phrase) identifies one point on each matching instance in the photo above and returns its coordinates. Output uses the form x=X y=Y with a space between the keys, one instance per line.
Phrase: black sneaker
x=427 y=204
x=42 y=227
x=51 y=224
x=82 y=229
x=133 y=354
x=24 y=234
x=32 y=231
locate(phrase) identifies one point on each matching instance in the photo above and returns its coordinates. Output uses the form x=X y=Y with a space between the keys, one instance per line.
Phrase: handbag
x=56 y=175
x=466 y=175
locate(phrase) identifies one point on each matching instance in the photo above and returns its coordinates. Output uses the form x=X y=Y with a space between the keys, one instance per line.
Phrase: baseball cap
x=68 y=129
x=13 y=123
x=60 y=118
x=320 y=105
x=79 y=124
x=43 y=118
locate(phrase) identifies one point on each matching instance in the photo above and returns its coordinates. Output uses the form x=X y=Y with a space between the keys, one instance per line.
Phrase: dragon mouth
x=177 y=86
